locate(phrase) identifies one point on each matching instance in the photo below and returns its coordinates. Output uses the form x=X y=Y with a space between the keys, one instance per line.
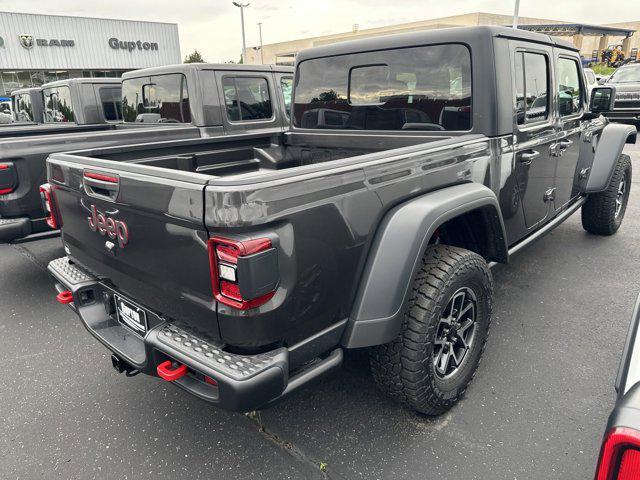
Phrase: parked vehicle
x=626 y=81
x=28 y=105
x=241 y=268
x=620 y=453
x=590 y=80
x=63 y=106
x=6 y=113
x=185 y=101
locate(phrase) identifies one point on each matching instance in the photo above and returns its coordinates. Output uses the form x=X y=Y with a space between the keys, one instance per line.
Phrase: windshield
x=626 y=75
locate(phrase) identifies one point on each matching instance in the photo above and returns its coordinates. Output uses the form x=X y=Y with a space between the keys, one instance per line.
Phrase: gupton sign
x=131 y=45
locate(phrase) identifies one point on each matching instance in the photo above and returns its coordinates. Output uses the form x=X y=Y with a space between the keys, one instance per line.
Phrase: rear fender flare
x=608 y=149
x=396 y=252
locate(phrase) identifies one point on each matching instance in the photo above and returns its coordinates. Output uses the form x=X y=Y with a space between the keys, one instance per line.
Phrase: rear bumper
x=242 y=382
x=21 y=227
x=13 y=228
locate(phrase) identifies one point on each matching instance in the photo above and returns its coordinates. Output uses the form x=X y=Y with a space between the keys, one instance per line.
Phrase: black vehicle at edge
x=240 y=268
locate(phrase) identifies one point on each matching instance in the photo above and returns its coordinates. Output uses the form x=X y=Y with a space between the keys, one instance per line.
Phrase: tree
x=195 y=57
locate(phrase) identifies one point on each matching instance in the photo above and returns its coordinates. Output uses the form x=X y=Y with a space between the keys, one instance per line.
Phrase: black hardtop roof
x=184 y=67
x=468 y=35
x=83 y=80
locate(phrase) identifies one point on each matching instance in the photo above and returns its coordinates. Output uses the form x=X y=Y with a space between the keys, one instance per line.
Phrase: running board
x=546 y=229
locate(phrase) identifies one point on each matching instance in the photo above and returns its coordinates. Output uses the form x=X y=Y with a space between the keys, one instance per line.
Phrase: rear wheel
x=429 y=364
x=604 y=211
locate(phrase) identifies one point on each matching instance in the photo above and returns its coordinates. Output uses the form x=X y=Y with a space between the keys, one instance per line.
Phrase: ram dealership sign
x=131 y=45
x=27 y=41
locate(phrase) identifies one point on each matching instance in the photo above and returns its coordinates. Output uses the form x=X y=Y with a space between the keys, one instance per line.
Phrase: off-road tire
x=599 y=211
x=404 y=368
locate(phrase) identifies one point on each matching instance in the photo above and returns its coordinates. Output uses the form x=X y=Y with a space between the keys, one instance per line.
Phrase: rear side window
x=286 y=84
x=420 y=88
x=591 y=77
x=157 y=99
x=111 y=100
x=531 y=87
x=569 y=89
x=247 y=98
x=22 y=108
x=57 y=105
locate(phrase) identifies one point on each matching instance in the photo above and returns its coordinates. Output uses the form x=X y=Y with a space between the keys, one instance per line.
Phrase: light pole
x=515 y=14
x=242 y=6
x=260 y=30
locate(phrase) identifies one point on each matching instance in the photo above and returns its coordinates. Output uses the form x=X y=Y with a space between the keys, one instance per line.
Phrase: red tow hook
x=167 y=372
x=65 y=297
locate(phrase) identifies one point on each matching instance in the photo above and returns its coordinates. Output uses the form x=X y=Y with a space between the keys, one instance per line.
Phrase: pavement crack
x=26 y=253
x=322 y=468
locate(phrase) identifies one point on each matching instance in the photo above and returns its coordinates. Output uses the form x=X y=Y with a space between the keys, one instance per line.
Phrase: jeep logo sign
x=131 y=45
x=99 y=222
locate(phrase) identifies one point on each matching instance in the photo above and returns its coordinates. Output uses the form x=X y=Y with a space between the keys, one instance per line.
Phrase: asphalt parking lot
x=536 y=409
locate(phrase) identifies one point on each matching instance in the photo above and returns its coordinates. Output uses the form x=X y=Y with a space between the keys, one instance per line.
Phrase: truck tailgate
x=141 y=233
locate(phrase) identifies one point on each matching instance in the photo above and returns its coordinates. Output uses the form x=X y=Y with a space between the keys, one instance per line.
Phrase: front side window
x=22 y=108
x=420 y=88
x=286 y=84
x=569 y=89
x=57 y=105
x=157 y=99
x=247 y=98
x=531 y=87
x=110 y=98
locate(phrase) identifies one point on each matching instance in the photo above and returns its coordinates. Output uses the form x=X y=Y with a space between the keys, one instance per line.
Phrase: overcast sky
x=213 y=26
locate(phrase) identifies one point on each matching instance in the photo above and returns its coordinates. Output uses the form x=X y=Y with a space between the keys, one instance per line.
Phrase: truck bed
x=247 y=156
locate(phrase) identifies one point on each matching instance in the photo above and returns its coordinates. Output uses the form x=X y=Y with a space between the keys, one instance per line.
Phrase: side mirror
x=602 y=99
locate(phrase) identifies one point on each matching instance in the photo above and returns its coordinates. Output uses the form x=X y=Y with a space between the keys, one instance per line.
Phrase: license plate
x=131 y=315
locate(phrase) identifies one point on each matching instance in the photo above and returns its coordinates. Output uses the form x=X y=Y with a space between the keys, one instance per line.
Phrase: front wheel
x=603 y=212
x=429 y=364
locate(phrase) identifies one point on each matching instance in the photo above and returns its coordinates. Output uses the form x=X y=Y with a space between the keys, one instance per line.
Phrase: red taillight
x=48 y=201
x=4 y=166
x=620 y=455
x=4 y=191
x=223 y=261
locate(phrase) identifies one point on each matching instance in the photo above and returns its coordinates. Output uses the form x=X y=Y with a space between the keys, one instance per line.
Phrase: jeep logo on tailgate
x=108 y=226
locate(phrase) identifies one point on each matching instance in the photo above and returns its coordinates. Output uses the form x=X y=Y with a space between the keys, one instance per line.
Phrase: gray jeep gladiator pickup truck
x=63 y=106
x=164 y=103
x=240 y=268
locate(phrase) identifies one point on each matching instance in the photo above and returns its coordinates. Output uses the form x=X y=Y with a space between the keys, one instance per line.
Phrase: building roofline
x=426 y=37
x=86 y=17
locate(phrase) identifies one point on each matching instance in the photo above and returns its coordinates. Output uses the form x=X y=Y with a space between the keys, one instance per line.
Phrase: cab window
x=22 y=108
x=247 y=98
x=156 y=99
x=569 y=92
x=286 y=85
x=531 y=87
x=424 y=88
x=111 y=100
x=57 y=105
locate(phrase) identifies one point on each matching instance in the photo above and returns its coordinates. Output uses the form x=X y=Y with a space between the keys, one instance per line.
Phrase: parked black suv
x=240 y=268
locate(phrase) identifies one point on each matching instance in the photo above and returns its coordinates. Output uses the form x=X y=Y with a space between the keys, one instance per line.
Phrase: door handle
x=529 y=156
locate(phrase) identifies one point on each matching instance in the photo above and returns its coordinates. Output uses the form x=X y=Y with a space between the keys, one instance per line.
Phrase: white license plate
x=131 y=315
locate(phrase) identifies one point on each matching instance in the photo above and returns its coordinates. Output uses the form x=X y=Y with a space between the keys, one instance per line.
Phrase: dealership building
x=37 y=49
x=587 y=38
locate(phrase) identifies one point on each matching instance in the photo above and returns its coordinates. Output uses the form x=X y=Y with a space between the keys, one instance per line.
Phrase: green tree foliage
x=194 y=57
